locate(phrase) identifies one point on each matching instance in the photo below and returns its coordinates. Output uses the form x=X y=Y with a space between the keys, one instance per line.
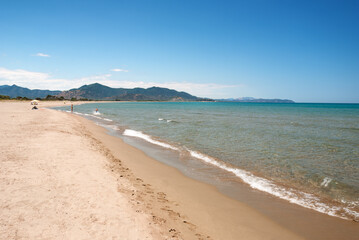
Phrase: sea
x=304 y=153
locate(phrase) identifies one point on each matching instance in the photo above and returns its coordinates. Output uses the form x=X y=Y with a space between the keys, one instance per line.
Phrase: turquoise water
x=307 y=154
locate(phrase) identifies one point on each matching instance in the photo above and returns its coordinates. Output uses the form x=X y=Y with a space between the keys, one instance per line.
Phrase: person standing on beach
x=72 y=107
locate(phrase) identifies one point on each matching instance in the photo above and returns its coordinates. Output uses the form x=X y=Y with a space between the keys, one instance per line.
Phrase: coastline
x=304 y=222
x=177 y=206
x=190 y=203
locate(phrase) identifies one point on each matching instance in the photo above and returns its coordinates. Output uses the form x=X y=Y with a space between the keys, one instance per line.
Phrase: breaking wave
x=291 y=195
x=303 y=199
x=300 y=198
x=133 y=133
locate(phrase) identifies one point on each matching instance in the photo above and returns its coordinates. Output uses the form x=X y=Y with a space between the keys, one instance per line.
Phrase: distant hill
x=16 y=91
x=97 y=91
x=256 y=100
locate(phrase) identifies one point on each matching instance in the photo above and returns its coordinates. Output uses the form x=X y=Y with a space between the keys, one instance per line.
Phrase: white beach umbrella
x=34 y=102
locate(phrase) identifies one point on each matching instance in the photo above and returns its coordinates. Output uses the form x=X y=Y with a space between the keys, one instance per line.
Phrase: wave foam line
x=133 y=133
x=304 y=199
x=114 y=127
x=102 y=118
x=96 y=117
x=109 y=127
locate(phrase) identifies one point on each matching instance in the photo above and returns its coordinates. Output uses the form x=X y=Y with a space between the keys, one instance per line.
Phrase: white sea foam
x=114 y=127
x=167 y=120
x=97 y=114
x=109 y=127
x=300 y=198
x=293 y=196
x=325 y=182
x=133 y=133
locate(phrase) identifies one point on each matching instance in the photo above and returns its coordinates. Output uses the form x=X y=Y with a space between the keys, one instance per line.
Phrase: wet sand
x=63 y=177
x=305 y=222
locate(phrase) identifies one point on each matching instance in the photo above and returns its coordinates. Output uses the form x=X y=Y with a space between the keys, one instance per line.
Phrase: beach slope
x=63 y=177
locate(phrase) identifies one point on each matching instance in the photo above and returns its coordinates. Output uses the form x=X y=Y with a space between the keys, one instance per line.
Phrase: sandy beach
x=55 y=182
x=64 y=177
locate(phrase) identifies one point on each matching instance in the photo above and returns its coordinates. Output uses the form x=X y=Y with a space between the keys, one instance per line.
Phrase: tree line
x=47 y=98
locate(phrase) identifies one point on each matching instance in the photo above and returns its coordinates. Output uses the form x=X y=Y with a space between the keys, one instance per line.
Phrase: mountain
x=16 y=91
x=97 y=91
x=256 y=100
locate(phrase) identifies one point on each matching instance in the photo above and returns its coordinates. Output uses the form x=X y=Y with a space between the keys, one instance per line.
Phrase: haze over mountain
x=14 y=91
x=97 y=91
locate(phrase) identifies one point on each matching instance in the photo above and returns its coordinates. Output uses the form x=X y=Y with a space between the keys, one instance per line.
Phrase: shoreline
x=298 y=219
x=303 y=221
x=178 y=206
x=295 y=218
x=194 y=204
x=307 y=198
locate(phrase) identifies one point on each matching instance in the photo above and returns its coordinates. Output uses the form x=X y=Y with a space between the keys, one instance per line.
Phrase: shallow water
x=307 y=154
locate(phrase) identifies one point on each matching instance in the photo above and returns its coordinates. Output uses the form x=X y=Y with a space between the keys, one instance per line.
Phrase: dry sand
x=55 y=182
x=63 y=177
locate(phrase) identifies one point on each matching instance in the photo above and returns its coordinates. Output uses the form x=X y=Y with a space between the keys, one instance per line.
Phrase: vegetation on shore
x=47 y=98
x=3 y=97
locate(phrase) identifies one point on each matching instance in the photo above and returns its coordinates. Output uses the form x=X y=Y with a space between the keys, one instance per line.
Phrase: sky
x=307 y=51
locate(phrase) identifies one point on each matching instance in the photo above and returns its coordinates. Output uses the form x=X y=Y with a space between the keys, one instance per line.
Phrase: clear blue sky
x=307 y=51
